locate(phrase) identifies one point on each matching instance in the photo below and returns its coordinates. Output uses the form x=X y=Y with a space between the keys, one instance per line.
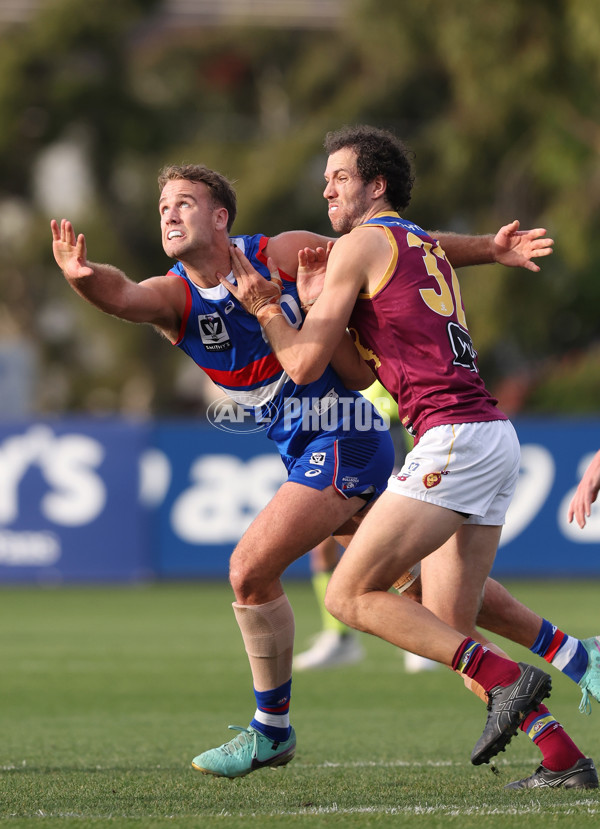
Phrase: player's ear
x=221 y=217
x=379 y=185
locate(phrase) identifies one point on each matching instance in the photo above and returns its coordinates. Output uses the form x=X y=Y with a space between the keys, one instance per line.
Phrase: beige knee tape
x=268 y=634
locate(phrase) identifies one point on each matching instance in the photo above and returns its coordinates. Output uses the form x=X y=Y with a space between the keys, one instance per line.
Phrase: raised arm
x=159 y=301
x=284 y=247
x=510 y=246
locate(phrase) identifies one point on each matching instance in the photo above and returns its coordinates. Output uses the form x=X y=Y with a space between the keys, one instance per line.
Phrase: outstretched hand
x=69 y=250
x=312 y=266
x=586 y=493
x=517 y=248
x=253 y=291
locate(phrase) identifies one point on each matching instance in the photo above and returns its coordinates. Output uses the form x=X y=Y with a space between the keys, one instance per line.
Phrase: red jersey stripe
x=256 y=372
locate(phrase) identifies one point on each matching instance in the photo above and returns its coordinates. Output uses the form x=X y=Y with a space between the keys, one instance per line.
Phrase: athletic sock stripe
x=466 y=656
x=565 y=653
x=540 y=725
x=557 y=640
x=267 y=719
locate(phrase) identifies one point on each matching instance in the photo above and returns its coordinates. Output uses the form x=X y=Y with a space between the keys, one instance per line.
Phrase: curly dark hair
x=221 y=189
x=378 y=153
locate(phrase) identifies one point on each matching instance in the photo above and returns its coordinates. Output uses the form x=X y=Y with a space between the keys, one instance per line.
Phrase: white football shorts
x=471 y=468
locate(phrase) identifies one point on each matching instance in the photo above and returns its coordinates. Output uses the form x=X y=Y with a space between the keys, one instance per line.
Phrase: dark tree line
x=499 y=102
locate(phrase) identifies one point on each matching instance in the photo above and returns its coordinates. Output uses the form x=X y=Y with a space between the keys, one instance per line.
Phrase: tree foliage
x=498 y=101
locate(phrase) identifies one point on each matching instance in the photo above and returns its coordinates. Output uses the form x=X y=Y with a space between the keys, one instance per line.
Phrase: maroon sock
x=559 y=752
x=485 y=667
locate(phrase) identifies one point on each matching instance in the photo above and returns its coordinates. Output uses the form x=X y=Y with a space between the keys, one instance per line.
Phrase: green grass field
x=108 y=693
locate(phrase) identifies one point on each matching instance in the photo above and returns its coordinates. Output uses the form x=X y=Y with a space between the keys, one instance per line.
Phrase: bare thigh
x=396 y=534
x=295 y=520
x=453 y=576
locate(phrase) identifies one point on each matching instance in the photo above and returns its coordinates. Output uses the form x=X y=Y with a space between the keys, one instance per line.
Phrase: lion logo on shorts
x=432 y=479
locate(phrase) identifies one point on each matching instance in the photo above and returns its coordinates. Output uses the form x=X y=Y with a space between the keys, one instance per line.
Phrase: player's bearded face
x=349 y=214
x=345 y=192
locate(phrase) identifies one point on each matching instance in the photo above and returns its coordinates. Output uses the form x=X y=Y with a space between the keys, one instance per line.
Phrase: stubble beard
x=344 y=222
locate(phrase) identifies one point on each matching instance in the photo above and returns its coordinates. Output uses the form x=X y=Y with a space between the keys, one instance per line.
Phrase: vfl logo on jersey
x=462 y=346
x=318 y=458
x=213 y=333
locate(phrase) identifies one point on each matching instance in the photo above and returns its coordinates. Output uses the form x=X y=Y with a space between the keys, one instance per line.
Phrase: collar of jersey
x=216 y=292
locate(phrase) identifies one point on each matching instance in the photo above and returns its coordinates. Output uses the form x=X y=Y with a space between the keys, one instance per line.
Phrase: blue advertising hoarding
x=112 y=501
x=537 y=539
x=218 y=482
x=69 y=505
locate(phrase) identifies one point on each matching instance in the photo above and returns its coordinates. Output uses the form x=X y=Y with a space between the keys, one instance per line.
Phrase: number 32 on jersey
x=446 y=301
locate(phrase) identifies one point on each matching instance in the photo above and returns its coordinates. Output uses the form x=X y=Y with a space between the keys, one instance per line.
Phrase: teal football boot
x=247 y=752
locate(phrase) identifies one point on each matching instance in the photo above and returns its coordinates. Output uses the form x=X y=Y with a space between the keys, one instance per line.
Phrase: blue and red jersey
x=230 y=346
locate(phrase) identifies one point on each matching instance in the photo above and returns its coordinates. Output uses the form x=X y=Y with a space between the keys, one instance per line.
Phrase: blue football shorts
x=357 y=464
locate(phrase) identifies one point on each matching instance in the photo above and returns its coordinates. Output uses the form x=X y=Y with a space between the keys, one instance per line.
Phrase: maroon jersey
x=413 y=332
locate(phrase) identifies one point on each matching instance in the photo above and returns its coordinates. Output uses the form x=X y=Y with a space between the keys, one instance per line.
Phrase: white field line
x=449 y=810
x=577 y=807
x=363 y=764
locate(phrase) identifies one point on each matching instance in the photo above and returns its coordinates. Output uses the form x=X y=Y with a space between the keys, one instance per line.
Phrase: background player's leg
x=335 y=644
